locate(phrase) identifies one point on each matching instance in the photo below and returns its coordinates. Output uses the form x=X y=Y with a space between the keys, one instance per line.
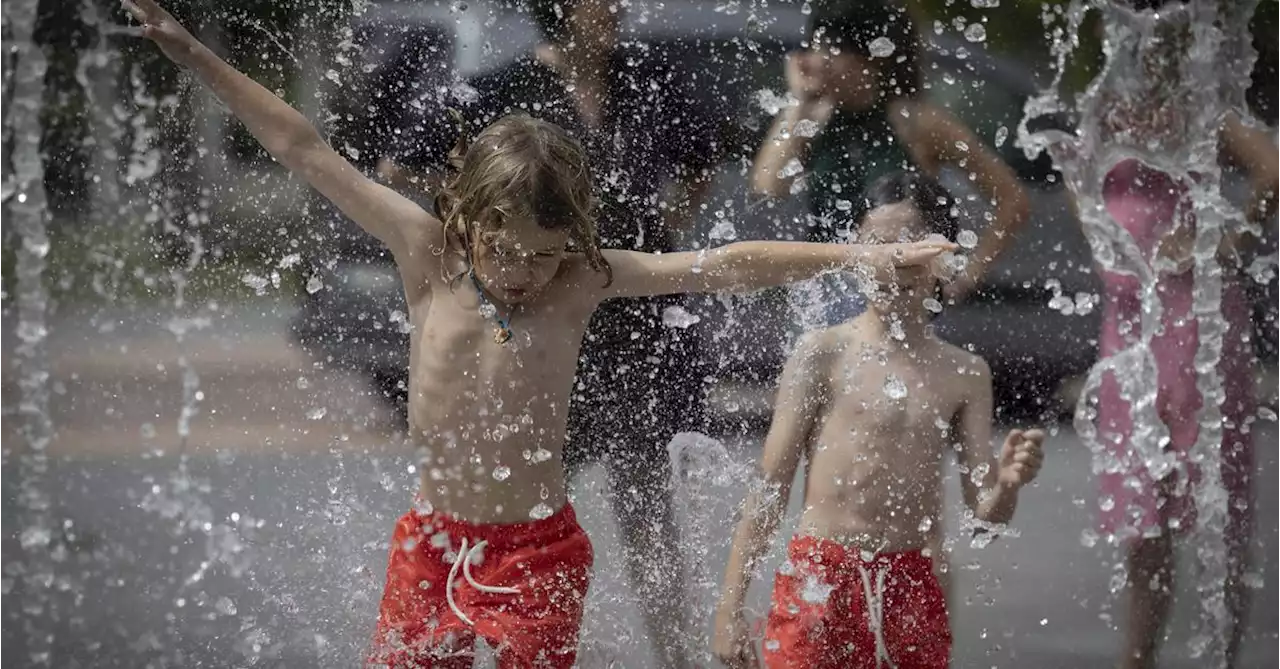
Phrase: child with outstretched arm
x=873 y=405
x=500 y=282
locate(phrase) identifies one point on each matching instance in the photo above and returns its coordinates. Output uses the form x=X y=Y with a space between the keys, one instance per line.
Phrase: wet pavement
x=276 y=559
x=265 y=544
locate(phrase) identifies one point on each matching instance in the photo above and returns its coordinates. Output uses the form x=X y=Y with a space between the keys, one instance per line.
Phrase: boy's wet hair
x=939 y=210
x=852 y=25
x=518 y=167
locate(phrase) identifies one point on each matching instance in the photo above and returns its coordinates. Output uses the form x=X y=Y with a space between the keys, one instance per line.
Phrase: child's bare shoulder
x=970 y=369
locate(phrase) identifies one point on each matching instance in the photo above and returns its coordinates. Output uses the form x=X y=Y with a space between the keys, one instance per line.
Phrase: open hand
x=732 y=644
x=160 y=27
x=1020 y=457
x=807 y=82
x=806 y=75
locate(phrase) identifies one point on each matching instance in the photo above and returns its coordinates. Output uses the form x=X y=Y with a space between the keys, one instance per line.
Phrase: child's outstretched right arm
x=800 y=394
x=287 y=135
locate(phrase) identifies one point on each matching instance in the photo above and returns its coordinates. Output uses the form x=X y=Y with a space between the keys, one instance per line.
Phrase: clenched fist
x=1020 y=457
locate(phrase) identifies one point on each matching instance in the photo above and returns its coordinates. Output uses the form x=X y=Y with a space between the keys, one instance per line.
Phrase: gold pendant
x=501 y=335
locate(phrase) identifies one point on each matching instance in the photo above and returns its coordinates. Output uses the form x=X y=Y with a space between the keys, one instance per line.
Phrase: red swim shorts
x=834 y=607
x=518 y=586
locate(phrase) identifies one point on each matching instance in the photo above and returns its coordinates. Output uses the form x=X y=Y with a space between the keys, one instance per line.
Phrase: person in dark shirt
x=859 y=114
x=652 y=144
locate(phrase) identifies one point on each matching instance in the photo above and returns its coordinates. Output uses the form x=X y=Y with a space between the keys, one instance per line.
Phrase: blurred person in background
x=652 y=147
x=1148 y=107
x=858 y=114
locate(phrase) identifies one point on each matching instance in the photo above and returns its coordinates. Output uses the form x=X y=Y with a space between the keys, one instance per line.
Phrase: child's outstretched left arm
x=990 y=484
x=750 y=266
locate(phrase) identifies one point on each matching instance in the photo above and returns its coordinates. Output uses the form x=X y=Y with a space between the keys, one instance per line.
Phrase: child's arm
x=800 y=395
x=951 y=142
x=991 y=485
x=748 y=266
x=292 y=140
x=1254 y=151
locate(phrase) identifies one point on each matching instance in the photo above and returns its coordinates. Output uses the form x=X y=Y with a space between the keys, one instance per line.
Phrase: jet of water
x=1170 y=79
x=27 y=212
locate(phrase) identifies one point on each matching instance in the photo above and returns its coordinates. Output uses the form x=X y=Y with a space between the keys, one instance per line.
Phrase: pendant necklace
x=501 y=333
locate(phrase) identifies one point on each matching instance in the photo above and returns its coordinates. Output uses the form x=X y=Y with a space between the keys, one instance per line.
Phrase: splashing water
x=709 y=485
x=1161 y=98
x=27 y=213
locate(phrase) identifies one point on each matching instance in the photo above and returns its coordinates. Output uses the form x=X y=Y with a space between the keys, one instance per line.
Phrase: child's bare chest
x=466 y=360
x=892 y=394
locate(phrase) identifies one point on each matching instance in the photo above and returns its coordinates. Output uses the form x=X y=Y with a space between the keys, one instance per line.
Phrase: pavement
x=264 y=543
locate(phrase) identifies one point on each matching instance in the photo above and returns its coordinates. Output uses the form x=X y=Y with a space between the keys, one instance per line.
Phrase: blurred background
x=225 y=356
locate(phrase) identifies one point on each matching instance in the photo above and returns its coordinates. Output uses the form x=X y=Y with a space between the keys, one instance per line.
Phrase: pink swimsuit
x=1145 y=202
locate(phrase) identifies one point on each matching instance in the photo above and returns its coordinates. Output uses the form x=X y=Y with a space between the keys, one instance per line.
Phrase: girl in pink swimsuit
x=1149 y=205
x=1155 y=209
x=1145 y=100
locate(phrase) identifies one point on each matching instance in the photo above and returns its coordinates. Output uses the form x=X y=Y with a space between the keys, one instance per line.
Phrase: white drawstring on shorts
x=463 y=560
x=875 y=612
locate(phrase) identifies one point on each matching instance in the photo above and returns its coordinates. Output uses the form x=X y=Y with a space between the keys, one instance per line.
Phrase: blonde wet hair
x=518 y=167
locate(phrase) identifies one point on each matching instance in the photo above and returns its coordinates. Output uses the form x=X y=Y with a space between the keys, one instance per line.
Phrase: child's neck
x=900 y=323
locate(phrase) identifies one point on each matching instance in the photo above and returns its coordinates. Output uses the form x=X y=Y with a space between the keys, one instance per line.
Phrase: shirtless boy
x=500 y=288
x=874 y=405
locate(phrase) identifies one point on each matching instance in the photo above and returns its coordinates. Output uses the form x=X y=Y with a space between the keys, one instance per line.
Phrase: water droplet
x=676 y=316
x=1107 y=503
x=225 y=606
x=806 y=128
x=926 y=524
x=540 y=455
x=984 y=4
x=791 y=168
x=35 y=536
x=894 y=388
x=881 y=47
x=317 y=413
x=967 y=239
x=815 y=591
x=772 y=645
x=978 y=475
x=487 y=310
x=1266 y=413
x=314 y=285
x=933 y=305
x=540 y=511
x=1002 y=133
x=257 y=283
x=975 y=32
x=1088 y=538
x=501 y=473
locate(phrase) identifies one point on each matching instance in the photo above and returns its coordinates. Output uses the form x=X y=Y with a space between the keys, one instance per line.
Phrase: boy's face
x=519 y=260
x=901 y=223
